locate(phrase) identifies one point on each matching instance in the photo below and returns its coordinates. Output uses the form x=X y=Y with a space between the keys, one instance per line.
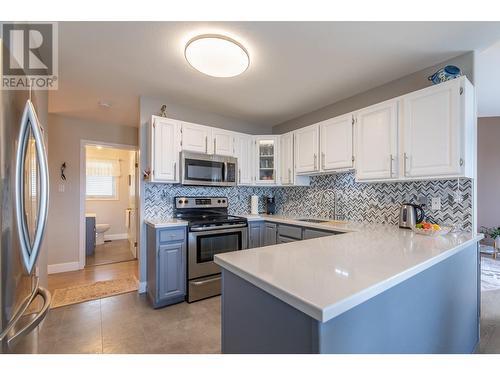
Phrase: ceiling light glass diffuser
x=217 y=55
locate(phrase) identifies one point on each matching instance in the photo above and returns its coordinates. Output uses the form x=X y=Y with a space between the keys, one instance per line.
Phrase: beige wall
x=64 y=146
x=488 y=172
x=403 y=85
x=112 y=212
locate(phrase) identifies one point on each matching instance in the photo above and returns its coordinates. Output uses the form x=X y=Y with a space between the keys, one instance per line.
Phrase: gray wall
x=488 y=172
x=151 y=106
x=64 y=209
x=404 y=85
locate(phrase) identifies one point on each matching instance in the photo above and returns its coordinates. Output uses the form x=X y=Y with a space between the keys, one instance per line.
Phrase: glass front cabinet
x=267 y=149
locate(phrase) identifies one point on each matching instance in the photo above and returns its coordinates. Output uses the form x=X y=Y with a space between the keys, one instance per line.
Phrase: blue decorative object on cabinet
x=445 y=74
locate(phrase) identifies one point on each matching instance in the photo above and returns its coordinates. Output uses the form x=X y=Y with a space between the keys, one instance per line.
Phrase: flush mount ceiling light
x=217 y=55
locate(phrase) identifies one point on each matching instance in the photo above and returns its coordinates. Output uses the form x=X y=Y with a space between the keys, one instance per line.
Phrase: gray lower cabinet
x=270 y=234
x=255 y=234
x=282 y=239
x=166 y=265
x=89 y=235
x=315 y=233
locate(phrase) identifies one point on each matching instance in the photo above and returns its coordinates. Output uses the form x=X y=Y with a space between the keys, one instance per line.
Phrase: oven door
x=203 y=245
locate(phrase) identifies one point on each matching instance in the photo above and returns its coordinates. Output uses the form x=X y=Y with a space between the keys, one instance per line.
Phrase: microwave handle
x=225 y=171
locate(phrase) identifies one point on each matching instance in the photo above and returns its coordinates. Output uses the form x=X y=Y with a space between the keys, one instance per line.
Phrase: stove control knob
x=218 y=201
x=180 y=201
x=223 y=201
x=186 y=201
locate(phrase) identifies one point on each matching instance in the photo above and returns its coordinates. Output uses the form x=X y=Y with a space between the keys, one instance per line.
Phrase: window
x=102 y=179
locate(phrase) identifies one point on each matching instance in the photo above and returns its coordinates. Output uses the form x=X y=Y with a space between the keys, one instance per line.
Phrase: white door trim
x=83 y=167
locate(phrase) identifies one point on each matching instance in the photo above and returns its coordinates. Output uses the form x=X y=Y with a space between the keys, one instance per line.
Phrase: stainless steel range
x=211 y=230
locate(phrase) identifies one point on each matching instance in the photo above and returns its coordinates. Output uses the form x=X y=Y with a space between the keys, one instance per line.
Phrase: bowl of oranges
x=430 y=229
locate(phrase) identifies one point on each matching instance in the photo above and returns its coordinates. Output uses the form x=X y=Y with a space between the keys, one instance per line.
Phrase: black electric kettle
x=410 y=215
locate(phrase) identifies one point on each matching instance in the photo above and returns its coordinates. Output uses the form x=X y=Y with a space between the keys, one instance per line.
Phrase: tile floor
x=110 y=252
x=127 y=324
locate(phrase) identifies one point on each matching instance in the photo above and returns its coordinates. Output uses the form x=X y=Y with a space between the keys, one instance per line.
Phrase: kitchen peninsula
x=371 y=289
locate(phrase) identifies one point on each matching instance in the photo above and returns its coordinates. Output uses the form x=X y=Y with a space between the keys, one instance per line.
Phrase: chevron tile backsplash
x=374 y=203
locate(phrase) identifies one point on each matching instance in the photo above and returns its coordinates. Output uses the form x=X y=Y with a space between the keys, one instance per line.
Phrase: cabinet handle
x=175 y=170
x=289 y=175
x=215 y=146
x=239 y=175
x=323 y=160
x=206 y=144
x=461 y=162
x=405 y=156
x=315 y=158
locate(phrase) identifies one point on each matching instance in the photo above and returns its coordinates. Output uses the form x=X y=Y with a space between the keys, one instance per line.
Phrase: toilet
x=100 y=229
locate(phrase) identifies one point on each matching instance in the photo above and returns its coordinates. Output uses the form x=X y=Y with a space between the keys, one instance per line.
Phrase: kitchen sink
x=313 y=220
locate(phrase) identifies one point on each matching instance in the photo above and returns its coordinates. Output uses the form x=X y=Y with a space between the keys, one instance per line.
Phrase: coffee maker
x=270 y=206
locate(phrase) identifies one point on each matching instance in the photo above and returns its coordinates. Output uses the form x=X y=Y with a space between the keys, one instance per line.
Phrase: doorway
x=110 y=204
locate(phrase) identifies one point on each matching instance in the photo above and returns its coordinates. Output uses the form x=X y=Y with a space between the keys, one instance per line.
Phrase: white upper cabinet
x=244 y=152
x=307 y=149
x=197 y=138
x=433 y=131
x=223 y=142
x=336 y=143
x=287 y=170
x=376 y=133
x=164 y=149
x=267 y=151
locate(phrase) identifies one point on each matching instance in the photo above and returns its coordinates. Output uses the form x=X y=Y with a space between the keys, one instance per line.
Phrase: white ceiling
x=295 y=68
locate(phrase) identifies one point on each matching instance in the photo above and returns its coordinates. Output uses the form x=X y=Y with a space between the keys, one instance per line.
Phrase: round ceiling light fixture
x=217 y=55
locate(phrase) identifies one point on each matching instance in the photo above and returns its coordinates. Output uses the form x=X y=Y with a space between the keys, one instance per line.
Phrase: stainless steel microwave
x=210 y=170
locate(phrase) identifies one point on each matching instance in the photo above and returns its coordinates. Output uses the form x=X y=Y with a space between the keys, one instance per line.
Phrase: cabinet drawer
x=282 y=239
x=290 y=231
x=168 y=235
x=312 y=233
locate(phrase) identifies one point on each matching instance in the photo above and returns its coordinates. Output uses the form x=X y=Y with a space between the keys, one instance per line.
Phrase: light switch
x=61 y=188
x=436 y=203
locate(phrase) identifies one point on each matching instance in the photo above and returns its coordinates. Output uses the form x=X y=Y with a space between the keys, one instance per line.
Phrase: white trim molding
x=114 y=237
x=63 y=267
x=143 y=285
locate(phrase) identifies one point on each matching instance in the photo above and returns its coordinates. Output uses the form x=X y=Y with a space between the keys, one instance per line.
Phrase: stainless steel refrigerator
x=24 y=193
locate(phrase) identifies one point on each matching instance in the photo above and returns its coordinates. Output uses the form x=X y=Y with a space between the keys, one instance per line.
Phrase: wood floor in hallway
x=92 y=274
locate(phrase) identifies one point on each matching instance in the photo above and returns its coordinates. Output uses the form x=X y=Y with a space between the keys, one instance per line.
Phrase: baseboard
x=114 y=237
x=142 y=287
x=63 y=267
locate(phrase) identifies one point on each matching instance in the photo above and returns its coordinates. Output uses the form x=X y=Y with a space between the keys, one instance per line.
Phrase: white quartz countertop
x=324 y=277
x=168 y=223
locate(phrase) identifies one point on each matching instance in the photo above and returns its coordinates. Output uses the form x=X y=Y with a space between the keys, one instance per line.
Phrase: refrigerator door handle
x=47 y=298
x=30 y=250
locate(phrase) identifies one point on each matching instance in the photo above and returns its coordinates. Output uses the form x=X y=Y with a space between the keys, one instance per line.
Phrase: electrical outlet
x=457 y=197
x=436 y=203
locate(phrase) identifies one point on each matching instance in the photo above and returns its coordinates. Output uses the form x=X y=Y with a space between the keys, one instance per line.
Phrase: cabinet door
x=165 y=150
x=336 y=143
x=245 y=155
x=432 y=131
x=223 y=142
x=197 y=138
x=267 y=159
x=306 y=149
x=255 y=237
x=376 y=141
x=171 y=270
x=270 y=234
x=287 y=171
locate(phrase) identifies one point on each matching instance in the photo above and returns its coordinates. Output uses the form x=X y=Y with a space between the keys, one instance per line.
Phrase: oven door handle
x=211 y=229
